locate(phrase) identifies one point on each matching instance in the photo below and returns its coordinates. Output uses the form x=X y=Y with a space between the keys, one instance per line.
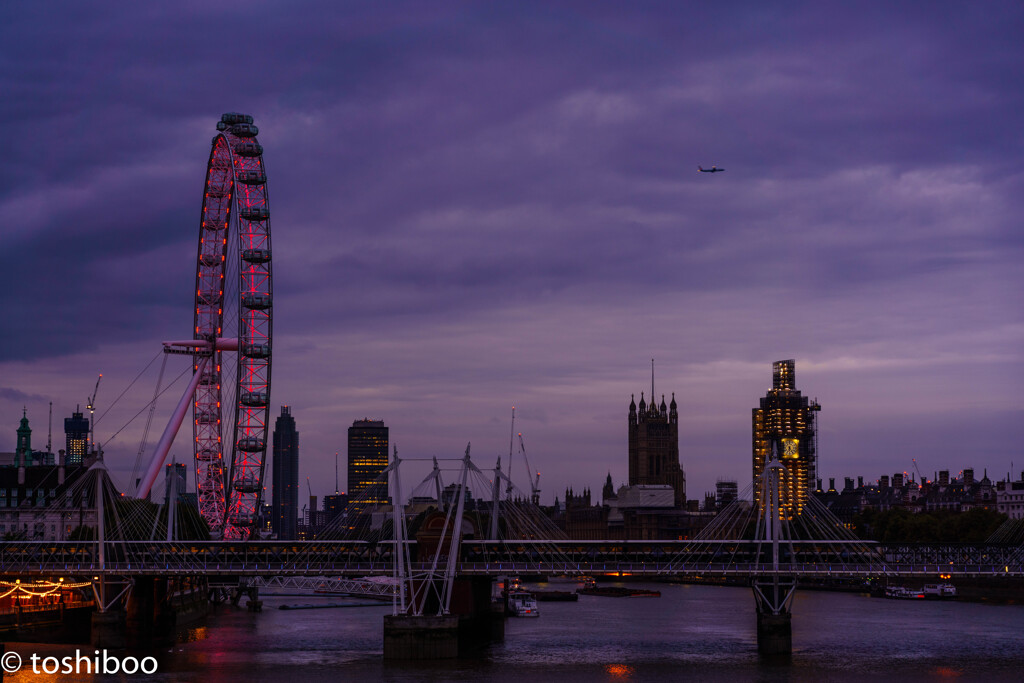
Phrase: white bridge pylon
x=433 y=577
x=426 y=585
x=773 y=594
x=418 y=583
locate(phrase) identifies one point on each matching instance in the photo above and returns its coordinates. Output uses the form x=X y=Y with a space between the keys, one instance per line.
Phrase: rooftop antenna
x=49 y=432
x=336 y=489
x=652 y=379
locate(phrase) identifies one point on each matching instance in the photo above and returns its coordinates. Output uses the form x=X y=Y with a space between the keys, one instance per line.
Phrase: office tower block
x=76 y=430
x=285 y=494
x=367 y=460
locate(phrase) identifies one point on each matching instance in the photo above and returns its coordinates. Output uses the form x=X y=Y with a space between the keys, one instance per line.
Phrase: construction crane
x=534 y=477
x=919 y=475
x=91 y=405
x=511 y=431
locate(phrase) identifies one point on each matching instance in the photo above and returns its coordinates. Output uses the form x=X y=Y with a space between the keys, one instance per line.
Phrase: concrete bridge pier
x=254 y=604
x=418 y=636
x=473 y=621
x=149 y=615
x=108 y=630
x=773 y=597
x=481 y=619
x=140 y=610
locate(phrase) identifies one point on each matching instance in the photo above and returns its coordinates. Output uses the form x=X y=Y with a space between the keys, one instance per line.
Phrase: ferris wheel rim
x=238 y=226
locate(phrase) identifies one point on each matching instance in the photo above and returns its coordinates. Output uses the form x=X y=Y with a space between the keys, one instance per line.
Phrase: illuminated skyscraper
x=76 y=429
x=285 y=494
x=654 y=446
x=785 y=423
x=367 y=459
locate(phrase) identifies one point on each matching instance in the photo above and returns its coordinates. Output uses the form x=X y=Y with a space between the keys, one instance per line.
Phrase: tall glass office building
x=367 y=460
x=285 y=492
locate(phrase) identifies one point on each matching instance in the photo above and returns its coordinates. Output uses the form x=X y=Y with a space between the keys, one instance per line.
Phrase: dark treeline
x=899 y=525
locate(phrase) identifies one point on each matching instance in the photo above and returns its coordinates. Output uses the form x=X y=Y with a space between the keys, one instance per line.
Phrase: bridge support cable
x=1010 y=533
x=514 y=523
x=522 y=518
x=753 y=537
x=522 y=538
x=149 y=419
x=429 y=581
x=82 y=504
x=387 y=537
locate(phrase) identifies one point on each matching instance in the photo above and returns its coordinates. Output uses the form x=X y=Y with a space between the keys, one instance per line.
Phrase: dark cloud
x=16 y=395
x=479 y=205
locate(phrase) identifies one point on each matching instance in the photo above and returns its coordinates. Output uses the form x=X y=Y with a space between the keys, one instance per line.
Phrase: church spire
x=652 y=380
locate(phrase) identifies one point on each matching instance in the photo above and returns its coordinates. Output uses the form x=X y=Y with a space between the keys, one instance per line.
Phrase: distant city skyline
x=485 y=206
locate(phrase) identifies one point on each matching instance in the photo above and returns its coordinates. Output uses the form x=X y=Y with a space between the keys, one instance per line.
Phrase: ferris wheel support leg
x=170 y=432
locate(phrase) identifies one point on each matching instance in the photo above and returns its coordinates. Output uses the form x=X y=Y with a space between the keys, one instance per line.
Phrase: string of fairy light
x=38 y=589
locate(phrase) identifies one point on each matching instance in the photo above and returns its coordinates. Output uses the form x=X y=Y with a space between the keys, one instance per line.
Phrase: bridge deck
x=642 y=558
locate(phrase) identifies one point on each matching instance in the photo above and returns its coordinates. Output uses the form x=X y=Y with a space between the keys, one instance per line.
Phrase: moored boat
x=555 y=596
x=939 y=591
x=521 y=604
x=590 y=587
x=902 y=593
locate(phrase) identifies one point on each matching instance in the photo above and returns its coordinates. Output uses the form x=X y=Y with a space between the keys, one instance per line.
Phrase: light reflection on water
x=691 y=633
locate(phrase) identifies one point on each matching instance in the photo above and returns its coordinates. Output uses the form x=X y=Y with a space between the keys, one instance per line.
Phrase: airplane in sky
x=713 y=169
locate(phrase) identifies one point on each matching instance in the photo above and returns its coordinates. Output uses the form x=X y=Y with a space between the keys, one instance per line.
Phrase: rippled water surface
x=700 y=633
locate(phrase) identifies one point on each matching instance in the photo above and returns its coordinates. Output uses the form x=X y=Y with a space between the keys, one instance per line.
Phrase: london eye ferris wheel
x=231 y=346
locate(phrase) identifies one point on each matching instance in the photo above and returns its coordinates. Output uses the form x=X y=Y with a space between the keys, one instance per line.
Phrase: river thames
x=699 y=633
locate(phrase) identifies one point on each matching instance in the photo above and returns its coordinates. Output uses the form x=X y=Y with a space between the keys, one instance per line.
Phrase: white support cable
x=149 y=419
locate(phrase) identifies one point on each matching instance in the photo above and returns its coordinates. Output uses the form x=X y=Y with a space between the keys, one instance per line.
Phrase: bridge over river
x=443 y=570
x=688 y=559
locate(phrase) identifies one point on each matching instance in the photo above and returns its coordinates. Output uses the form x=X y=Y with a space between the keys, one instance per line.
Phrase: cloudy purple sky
x=481 y=205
